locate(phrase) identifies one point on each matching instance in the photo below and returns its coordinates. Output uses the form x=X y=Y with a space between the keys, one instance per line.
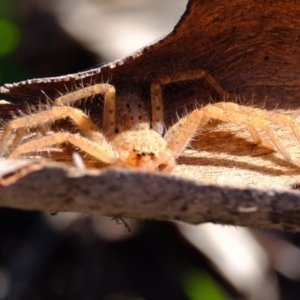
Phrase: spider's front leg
x=85 y=124
x=179 y=135
x=109 y=107
x=94 y=143
x=99 y=148
x=258 y=118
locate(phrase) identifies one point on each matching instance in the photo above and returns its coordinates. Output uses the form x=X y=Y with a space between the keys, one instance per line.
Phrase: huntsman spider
x=129 y=137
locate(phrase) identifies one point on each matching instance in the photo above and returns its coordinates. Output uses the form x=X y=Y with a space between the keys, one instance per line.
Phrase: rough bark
x=36 y=185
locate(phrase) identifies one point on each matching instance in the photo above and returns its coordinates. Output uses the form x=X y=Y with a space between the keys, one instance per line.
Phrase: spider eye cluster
x=140 y=154
x=148 y=160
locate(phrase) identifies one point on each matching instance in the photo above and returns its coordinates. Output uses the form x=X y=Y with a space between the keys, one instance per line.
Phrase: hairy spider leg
x=55 y=113
x=99 y=149
x=96 y=144
x=20 y=125
x=279 y=119
x=156 y=93
x=109 y=107
x=223 y=111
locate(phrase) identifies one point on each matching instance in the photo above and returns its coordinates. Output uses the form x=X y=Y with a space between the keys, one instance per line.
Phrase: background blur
x=71 y=256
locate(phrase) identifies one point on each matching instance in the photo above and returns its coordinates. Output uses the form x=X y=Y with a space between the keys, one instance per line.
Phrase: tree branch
x=39 y=185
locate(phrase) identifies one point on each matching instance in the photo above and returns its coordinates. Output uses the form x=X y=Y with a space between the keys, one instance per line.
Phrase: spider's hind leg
x=156 y=93
x=109 y=107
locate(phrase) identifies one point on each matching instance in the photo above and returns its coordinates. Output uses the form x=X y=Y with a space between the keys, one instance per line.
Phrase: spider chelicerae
x=131 y=135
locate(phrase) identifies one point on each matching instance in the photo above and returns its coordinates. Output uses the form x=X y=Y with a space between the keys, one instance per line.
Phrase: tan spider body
x=132 y=133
